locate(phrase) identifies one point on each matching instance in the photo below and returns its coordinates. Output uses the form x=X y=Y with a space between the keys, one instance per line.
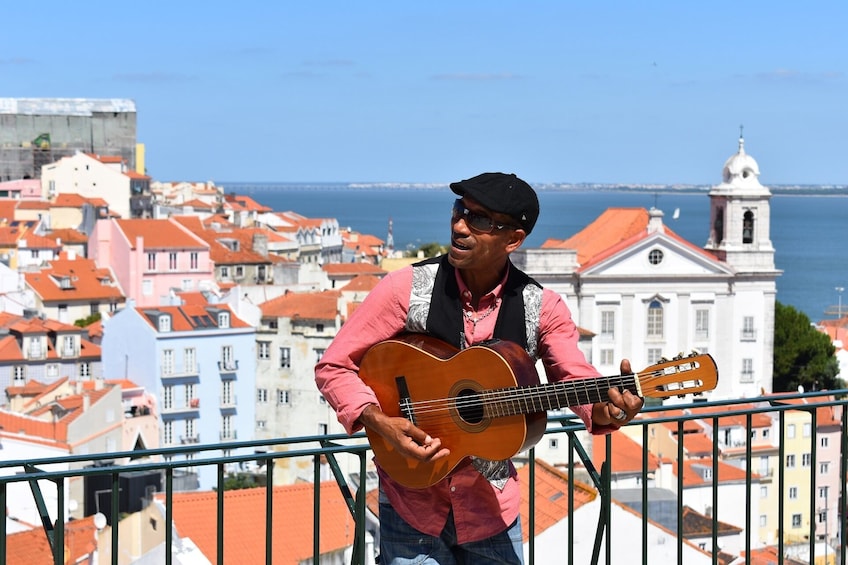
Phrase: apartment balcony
x=611 y=510
x=228 y=366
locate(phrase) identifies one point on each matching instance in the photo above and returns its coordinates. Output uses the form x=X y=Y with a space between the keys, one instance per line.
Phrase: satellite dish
x=99 y=521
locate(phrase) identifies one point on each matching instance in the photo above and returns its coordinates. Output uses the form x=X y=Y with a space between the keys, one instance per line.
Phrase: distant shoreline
x=776 y=190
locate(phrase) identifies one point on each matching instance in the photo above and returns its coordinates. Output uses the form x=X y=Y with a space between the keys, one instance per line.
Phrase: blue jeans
x=401 y=544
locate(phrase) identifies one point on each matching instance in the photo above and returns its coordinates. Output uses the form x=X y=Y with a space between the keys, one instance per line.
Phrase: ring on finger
x=622 y=415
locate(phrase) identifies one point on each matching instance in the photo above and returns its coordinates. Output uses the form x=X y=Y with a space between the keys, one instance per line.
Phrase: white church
x=644 y=293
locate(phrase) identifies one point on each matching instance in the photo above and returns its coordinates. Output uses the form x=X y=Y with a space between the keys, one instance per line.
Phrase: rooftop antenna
x=390 y=240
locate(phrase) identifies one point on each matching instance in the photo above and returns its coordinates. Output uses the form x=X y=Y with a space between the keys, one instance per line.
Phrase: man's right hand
x=409 y=440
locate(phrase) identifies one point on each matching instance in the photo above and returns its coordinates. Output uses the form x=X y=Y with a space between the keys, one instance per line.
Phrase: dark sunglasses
x=475 y=220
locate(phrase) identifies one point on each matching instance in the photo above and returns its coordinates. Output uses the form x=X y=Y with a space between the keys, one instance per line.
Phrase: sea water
x=807 y=231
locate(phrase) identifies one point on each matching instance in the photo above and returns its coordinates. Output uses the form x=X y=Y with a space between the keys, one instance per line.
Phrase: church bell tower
x=740 y=216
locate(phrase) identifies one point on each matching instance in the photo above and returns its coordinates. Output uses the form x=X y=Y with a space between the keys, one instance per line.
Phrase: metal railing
x=607 y=541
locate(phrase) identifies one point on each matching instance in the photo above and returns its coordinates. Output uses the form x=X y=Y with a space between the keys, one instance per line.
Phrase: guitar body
x=416 y=368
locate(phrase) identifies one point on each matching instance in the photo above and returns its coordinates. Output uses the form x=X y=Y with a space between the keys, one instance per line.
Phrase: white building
x=646 y=293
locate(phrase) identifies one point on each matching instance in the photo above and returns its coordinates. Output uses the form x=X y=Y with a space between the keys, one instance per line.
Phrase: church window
x=702 y=323
x=655 y=256
x=655 y=319
x=608 y=324
x=718 y=225
x=748 y=227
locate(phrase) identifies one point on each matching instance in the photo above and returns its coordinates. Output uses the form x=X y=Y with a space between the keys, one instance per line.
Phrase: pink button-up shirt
x=480 y=509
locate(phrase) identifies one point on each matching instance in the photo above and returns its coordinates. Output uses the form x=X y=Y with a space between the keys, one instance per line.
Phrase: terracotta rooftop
x=626 y=454
x=244 y=522
x=158 y=234
x=74 y=279
x=191 y=316
x=349 y=269
x=303 y=305
x=32 y=547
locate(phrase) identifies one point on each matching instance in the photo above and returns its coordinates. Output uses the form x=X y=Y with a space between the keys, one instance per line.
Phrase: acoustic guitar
x=487 y=400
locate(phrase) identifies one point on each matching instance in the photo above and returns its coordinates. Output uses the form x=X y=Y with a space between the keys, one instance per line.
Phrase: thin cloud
x=790 y=75
x=154 y=77
x=12 y=61
x=477 y=77
x=329 y=63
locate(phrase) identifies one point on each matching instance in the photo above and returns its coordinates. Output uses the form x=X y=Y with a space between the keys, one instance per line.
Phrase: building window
x=168 y=433
x=824 y=441
x=607 y=357
x=285 y=357
x=655 y=319
x=227 y=398
x=263 y=349
x=824 y=467
x=187 y=284
x=167 y=397
x=553 y=443
x=654 y=355
x=151 y=261
x=763 y=520
x=823 y=492
x=227 y=357
x=167 y=362
x=702 y=323
x=84 y=370
x=608 y=324
x=190 y=360
x=790 y=431
x=262 y=395
x=19 y=374
x=796 y=520
x=146 y=287
x=319 y=328
x=318 y=354
x=655 y=256
x=793 y=493
x=806 y=459
x=191 y=399
x=172 y=261
x=790 y=461
x=68 y=346
x=227 y=427
x=748 y=227
x=748 y=332
x=239 y=272
x=223 y=319
x=323 y=429
x=283 y=397
x=806 y=430
x=763 y=492
x=190 y=430
x=747 y=370
x=225 y=272
x=164 y=323
x=193 y=260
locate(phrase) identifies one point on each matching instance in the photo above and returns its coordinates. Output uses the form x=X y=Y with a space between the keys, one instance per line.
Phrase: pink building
x=153 y=260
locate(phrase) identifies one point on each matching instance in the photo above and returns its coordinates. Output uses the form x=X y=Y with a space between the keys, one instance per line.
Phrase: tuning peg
x=664 y=360
x=694 y=353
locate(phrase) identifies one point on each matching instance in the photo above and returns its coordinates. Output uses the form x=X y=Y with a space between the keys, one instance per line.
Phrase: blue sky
x=401 y=91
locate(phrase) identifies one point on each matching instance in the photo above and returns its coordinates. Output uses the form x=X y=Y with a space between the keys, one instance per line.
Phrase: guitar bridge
x=404 y=400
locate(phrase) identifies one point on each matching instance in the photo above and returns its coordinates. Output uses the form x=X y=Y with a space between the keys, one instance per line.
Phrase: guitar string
x=511 y=395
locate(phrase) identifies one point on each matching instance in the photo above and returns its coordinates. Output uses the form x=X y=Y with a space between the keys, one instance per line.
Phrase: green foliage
x=238 y=481
x=802 y=355
x=83 y=322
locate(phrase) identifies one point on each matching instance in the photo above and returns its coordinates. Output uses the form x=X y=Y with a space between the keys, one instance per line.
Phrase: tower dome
x=741 y=169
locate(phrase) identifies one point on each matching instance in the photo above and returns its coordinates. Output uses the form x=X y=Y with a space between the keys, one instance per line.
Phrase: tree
x=431 y=249
x=802 y=355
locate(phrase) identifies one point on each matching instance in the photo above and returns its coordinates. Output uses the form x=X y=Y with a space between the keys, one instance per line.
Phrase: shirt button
x=453 y=489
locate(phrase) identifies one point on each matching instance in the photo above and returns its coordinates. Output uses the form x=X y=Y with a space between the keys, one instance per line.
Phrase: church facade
x=644 y=293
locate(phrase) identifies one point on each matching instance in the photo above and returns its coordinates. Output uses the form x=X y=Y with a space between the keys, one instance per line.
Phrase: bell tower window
x=718 y=225
x=748 y=227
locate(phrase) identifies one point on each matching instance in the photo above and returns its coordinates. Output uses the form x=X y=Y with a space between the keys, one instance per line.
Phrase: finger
x=625 y=367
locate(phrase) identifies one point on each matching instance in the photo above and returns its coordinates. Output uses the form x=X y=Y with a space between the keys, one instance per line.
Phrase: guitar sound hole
x=469 y=406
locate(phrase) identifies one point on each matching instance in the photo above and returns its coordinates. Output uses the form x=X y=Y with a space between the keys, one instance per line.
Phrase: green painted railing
x=329 y=447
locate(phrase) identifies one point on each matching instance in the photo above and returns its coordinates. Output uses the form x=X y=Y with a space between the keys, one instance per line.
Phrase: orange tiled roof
x=158 y=234
x=219 y=250
x=347 y=269
x=192 y=316
x=240 y=202
x=614 y=230
x=726 y=472
x=304 y=305
x=31 y=547
x=68 y=235
x=244 y=515
x=551 y=496
x=626 y=454
x=7 y=208
x=82 y=278
x=362 y=283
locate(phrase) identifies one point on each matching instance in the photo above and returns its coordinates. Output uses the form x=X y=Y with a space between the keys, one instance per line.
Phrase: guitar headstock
x=692 y=374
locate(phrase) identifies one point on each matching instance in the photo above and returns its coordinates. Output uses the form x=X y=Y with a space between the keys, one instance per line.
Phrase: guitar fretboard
x=553 y=396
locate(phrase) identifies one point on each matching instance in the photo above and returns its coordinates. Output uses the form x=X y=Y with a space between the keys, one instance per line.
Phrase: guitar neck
x=553 y=396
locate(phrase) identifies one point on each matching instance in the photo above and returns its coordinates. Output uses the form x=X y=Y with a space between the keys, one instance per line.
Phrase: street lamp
x=839 y=289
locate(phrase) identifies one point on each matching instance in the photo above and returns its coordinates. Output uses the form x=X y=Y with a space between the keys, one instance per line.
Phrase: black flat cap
x=503 y=193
